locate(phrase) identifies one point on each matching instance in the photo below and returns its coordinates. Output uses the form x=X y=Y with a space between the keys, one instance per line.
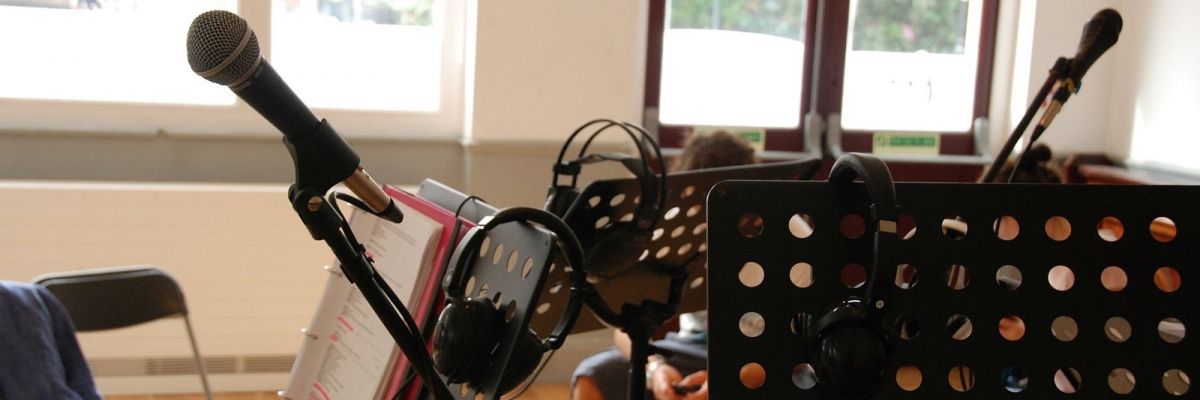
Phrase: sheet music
x=349 y=352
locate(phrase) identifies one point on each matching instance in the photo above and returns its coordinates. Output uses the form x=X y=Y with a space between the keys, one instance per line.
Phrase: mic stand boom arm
x=1060 y=69
x=321 y=158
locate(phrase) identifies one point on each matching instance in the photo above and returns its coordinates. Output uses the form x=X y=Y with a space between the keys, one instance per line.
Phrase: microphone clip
x=322 y=158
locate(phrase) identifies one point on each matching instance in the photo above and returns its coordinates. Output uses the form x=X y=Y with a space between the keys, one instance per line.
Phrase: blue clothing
x=39 y=356
x=610 y=368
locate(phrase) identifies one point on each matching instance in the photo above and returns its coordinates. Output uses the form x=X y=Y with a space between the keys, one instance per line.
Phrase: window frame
x=38 y=116
x=826 y=26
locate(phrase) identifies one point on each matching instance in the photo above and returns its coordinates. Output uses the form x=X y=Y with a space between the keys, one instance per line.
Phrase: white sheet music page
x=348 y=352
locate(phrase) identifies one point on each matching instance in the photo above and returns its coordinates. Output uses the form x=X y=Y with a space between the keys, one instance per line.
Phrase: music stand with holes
x=511 y=269
x=676 y=259
x=518 y=287
x=1052 y=290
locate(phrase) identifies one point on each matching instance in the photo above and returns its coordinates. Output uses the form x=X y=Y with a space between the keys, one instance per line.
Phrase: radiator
x=251 y=274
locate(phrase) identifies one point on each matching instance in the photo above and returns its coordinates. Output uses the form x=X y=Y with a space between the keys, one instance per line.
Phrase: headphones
x=848 y=345
x=624 y=240
x=468 y=336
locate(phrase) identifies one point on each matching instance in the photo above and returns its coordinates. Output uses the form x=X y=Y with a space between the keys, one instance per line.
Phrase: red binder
x=430 y=286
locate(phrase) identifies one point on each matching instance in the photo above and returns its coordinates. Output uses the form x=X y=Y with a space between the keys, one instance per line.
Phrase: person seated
x=1036 y=167
x=39 y=355
x=683 y=375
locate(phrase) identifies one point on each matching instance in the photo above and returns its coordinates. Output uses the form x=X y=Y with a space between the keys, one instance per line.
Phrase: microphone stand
x=315 y=156
x=639 y=322
x=1060 y=69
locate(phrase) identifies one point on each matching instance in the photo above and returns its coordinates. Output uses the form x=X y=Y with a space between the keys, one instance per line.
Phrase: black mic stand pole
x=639 y=322
x=320 y=158
x=1060 y=69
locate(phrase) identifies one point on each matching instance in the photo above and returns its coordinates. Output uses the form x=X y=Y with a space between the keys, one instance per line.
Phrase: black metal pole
x=639 y=354
x=325 y=223
x=1058 y=71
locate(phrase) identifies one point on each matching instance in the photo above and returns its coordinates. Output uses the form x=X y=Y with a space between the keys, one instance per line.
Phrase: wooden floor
x=537 y=392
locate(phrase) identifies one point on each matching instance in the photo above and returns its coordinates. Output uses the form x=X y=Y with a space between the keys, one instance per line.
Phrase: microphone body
x=271 y=97
x=223 y=49
x=1098 y=36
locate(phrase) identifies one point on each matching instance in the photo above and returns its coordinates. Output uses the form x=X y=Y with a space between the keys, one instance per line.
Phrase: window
x=758 y=49
x=119 y=51
x=869 y=66
x=911 y=66
x=377 y=68
x=389 y=49
x=723 y=63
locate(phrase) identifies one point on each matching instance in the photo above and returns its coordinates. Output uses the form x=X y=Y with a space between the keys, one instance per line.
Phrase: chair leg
x=187 y=321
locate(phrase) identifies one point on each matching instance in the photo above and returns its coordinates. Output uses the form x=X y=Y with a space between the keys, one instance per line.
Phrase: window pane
x=103 y=50
x=911 y=65
x=361 y=54
x=733 y=63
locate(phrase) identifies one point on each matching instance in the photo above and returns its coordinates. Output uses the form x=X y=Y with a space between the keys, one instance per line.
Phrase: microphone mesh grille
x=213 y=39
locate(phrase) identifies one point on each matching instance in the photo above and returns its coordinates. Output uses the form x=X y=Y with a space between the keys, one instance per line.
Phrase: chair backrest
x=110 y=298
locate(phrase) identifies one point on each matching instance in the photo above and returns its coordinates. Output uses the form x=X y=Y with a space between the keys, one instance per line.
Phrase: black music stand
x=528 y=255
x=1087 y=341
x=676 y=259
x=512 y=255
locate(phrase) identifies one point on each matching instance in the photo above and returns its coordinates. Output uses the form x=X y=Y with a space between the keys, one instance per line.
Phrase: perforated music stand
x=512 y=267
x=675 y=259
x=1102 y=343
x=679 y=243
x=514 y=279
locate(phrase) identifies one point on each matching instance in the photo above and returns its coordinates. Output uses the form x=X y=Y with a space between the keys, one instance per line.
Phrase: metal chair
x=111 y=298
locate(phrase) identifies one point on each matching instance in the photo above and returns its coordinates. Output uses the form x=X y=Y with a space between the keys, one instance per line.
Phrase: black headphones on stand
x=469 y=332
x=624 y=239
x=849 y=346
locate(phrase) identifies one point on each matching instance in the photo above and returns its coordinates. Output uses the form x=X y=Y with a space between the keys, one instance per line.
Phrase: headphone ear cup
x=526 y=357
x=463 y=338
x=560 y=199
x=850 y=353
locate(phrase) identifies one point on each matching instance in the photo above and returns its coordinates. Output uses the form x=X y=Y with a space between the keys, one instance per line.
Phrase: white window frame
x=36 y=116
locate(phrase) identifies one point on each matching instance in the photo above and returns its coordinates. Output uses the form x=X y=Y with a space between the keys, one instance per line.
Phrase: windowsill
x=1136 y=175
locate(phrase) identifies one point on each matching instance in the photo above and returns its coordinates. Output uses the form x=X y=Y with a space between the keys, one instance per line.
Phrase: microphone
x=222 y=48
x=1098 y=36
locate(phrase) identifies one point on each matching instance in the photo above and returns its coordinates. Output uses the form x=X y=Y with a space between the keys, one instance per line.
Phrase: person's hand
x=622 y=342
x=665 y=377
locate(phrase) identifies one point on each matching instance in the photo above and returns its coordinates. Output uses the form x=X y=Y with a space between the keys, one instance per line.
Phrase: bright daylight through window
x=376 y=68
x=911 y=65
x=103 y=50
x=389 y=50
x=733 y=63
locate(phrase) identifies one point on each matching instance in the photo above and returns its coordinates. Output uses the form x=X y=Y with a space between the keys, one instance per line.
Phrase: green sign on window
x=926 y=144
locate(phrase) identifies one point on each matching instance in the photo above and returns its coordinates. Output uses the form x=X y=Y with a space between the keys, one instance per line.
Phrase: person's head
x=1034 y=168
x=717 y=149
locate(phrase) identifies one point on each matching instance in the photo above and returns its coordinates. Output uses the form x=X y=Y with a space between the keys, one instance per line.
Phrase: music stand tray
x=1091 y=295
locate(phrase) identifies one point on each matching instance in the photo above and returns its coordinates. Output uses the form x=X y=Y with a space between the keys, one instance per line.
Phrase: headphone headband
x=652 y=201
x=884 y=215
x=468 y=249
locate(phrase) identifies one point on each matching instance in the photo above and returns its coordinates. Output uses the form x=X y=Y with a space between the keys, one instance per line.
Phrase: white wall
x=1137 y=101
x=542 y=68
x=545 y=67
x=1049 y=29
x=1155 y=97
